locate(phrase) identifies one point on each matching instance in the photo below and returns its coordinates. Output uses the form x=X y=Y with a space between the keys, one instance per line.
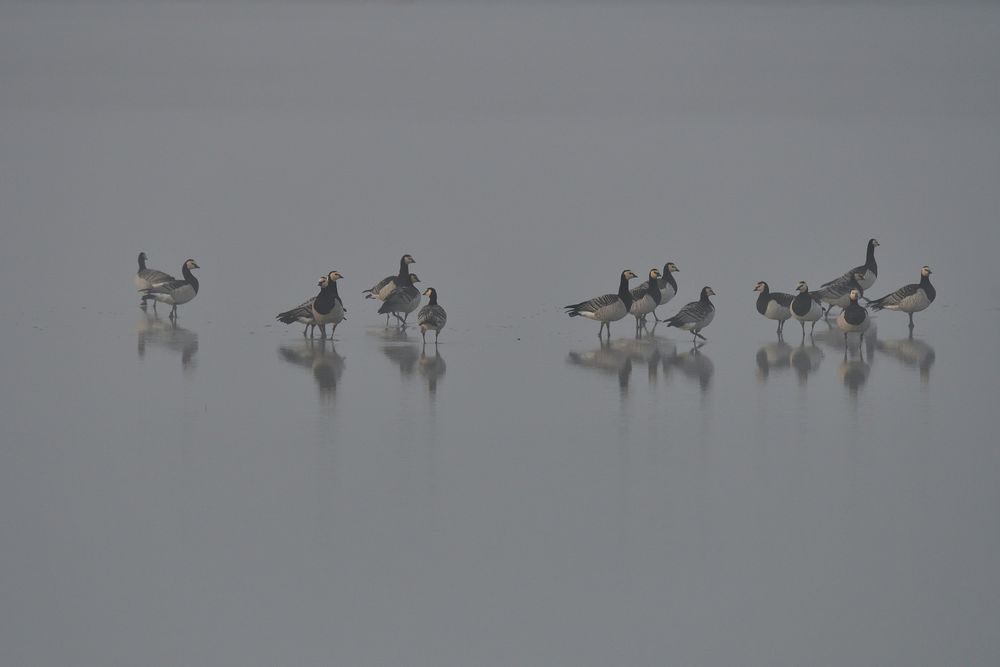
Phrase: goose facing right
x=327 y=307
x=868 y=270
x=910 y=298
x=606 y=308
x=175 y=292
x=383 y=288
x=696 y=315
x=645 y=298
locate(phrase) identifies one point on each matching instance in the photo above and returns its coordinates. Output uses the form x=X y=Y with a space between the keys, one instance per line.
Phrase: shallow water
x=223 y=491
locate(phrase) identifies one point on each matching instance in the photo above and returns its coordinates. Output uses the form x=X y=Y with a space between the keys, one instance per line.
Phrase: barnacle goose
x=838 y=293
x=696 y=315
x=146 y=278
x=175 y=292
x=909 y=299
x=806 y=307
x=404 y=298
x=868 y=270
x=645 y=298
x=607 y=308
x=853 y=318
x=773 y=305
x=327 y=307
x=432 y=316
x=384 y=287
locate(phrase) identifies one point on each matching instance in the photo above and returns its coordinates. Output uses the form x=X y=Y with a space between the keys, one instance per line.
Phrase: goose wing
x=692 y=313
x=895 y=298
x=593 y=305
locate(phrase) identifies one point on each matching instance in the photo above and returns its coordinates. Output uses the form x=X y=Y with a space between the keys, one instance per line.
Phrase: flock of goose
x=844 y=291
x=399 y=297
x=397 y=293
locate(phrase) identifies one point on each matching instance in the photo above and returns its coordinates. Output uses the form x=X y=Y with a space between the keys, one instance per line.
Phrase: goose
x=327 y=308
x=853 y=318
x=384 y=287
x=910 y=298
x=404 y=298
x=607 y=308
x=175 y=292
x=668 y=285
x=773 y=305
x=838 y=293
x=431 y=316
x=146 y=278
x=302 y=313
x=645 y=298
x=806 y=307
x=868 y=270
x=696 y=315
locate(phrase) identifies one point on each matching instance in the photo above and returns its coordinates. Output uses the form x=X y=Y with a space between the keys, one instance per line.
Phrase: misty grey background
x=225 y=494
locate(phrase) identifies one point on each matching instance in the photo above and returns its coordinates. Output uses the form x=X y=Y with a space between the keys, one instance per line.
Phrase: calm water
x=224 y=492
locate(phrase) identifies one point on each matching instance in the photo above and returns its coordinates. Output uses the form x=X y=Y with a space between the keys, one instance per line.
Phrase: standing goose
x=431 y=316
x=607 y=308
x=696 y=315
x=668 y=286
x=303 y=312
x=806 y=307
x=911 y=298
x=384 y=287
x=645 y=298
x=774 y=305
x=175 y=292
x=146 y=278
x=838 y=293
x=853 y=318
x=404 y=298
x=327 y=306
x=868 y=270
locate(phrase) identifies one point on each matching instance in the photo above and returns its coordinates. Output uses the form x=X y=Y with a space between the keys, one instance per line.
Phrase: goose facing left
x=773 y=305
x=645 y=298
x=606 y=308
x=146 y=277
x=175 y=292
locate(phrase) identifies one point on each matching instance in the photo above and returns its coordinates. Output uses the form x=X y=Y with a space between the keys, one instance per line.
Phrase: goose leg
x=911 y=321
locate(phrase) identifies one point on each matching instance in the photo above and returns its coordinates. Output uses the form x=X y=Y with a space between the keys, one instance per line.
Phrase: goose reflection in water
x=321 y=357
x=911 y=352
x=773 y=357
x=607 y=360
x=694 y=364
x=834 y=338
x=805 y=360
x=853 y=373
x=166 y=334
x=404 y=356
x=648 y=351
x=431 y=367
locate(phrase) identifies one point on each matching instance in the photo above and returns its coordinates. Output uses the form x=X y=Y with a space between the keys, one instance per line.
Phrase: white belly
x=868 y=280
x=609 y=313
x=642 y=306
x=176 y=297
x=775 y=311
x=912 y=304
x=815 y=312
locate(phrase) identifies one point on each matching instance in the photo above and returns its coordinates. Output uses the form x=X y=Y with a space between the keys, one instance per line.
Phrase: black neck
x=432 y=298
x=765 y=296
x=870 y=257
x=326 y=298
x=404 y=272
x=142 y=262
x=654 y=287
x=704 y=297
x=623 y=292
x=669 y=278
x=189 y=277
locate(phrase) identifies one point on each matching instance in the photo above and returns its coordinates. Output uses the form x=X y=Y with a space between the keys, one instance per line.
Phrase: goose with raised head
x=146 y=277
x=806 y=307
x=645 y=298
x=773 y=305
x=384 y=287
x=432 y=316
x=868 y=270
x=175 y=292
x=910 y=298
x=327 y=307
x=668 y=285
x=606 y=308
x=696 y=315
